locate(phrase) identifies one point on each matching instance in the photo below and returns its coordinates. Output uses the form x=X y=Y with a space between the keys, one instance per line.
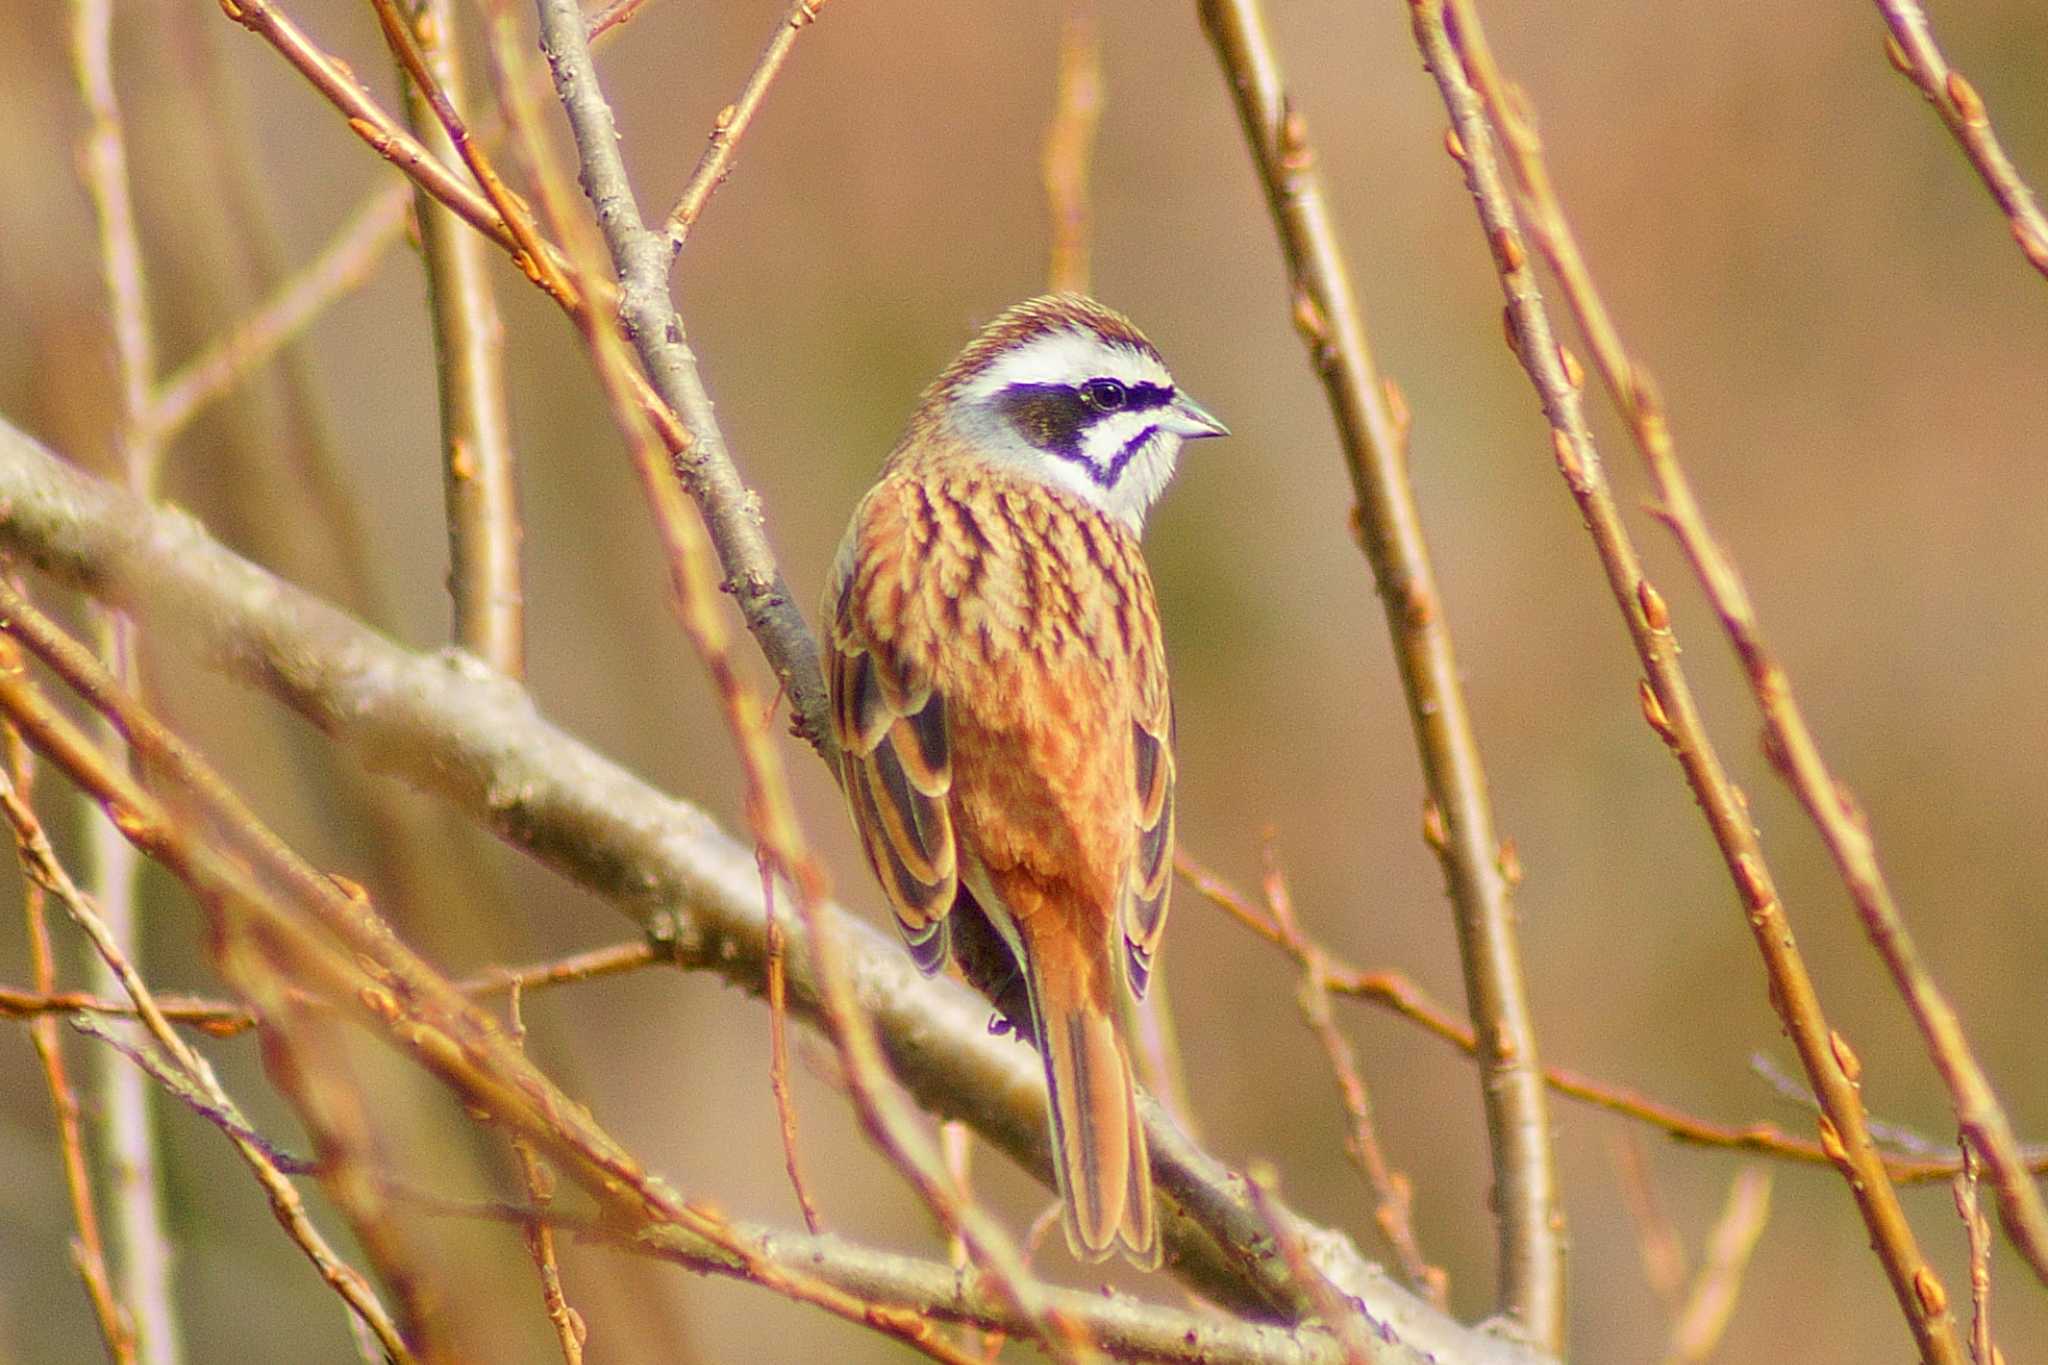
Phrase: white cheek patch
x=1107 y=441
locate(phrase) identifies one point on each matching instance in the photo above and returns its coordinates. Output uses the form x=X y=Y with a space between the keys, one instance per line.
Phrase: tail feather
x=1105 y=1177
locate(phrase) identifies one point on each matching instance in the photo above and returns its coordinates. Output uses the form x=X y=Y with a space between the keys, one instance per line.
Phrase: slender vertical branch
x=1703 y=1318
x=88 y=1250
x=1672 y=712
x=1910 y=44
x=1790 y=740
x=1070 y=149
x=732 y=123
x=477 y=466
x=1372 y=427
x=126 y=1118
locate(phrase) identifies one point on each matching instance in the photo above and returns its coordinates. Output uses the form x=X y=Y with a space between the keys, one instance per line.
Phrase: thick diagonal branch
x=449 y=725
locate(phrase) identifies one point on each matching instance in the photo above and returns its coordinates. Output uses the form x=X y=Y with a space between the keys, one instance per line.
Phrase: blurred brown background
x=1852 y=352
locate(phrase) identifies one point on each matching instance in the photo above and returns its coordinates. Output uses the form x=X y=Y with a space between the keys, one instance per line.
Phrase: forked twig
x=1395 y=1197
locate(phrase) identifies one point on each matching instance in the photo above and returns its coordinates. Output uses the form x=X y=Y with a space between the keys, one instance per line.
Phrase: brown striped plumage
x=1000 y=698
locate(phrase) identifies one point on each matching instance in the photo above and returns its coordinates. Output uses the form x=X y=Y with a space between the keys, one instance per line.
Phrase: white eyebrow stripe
x=1072 y=357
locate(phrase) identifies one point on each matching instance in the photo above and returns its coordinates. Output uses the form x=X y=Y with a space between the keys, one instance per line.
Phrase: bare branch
x=1671 y=711
x=1372 y=426
x=1790 y=741
x=477 y=464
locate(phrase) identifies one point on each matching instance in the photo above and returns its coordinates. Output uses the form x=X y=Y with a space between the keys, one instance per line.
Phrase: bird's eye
x=1104 y=395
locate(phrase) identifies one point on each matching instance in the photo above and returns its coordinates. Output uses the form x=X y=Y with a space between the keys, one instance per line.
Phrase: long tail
x=1098 y=1145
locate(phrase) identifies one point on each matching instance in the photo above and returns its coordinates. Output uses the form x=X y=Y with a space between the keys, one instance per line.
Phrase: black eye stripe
x=1053 y=417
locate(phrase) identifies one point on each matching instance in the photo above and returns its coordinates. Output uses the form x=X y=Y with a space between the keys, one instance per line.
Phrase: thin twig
x=1977 y=1232
x=1372 y=426
x=1351 y=1325
x=142 y=1244
x=1710 y=1303
x=88 y=1250
x=478 y=469
x=539 y=1234
x=732 y=123
x=1911 y=47
x=220 y=1019
x=613 y=15
x=1395 y=992
x=1391 y=1189
x=1671 y=711
x=1070 y=149
x=350 y=257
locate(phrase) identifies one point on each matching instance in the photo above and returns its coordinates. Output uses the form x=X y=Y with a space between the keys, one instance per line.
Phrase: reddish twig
x=1911 y=47
x=89 y=1250
x=1343 y=1317
x=538 y=1233
x=612 y=16
x=1396 y=1197
x=732 y=123
x=1671 y=711
x=1703 y=1318
x=223 y=1020
x=1372 y=424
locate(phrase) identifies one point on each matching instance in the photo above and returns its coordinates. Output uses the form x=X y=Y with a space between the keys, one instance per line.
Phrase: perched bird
x=1000 y=699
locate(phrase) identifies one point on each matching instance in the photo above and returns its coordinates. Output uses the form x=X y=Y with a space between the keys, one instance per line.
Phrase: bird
x=1000 y=701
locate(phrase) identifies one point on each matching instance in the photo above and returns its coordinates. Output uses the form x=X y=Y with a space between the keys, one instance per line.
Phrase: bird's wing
x=894 y=762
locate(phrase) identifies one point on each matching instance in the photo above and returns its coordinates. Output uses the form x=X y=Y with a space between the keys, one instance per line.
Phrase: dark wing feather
x=897 y=772
x=1151 y=875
